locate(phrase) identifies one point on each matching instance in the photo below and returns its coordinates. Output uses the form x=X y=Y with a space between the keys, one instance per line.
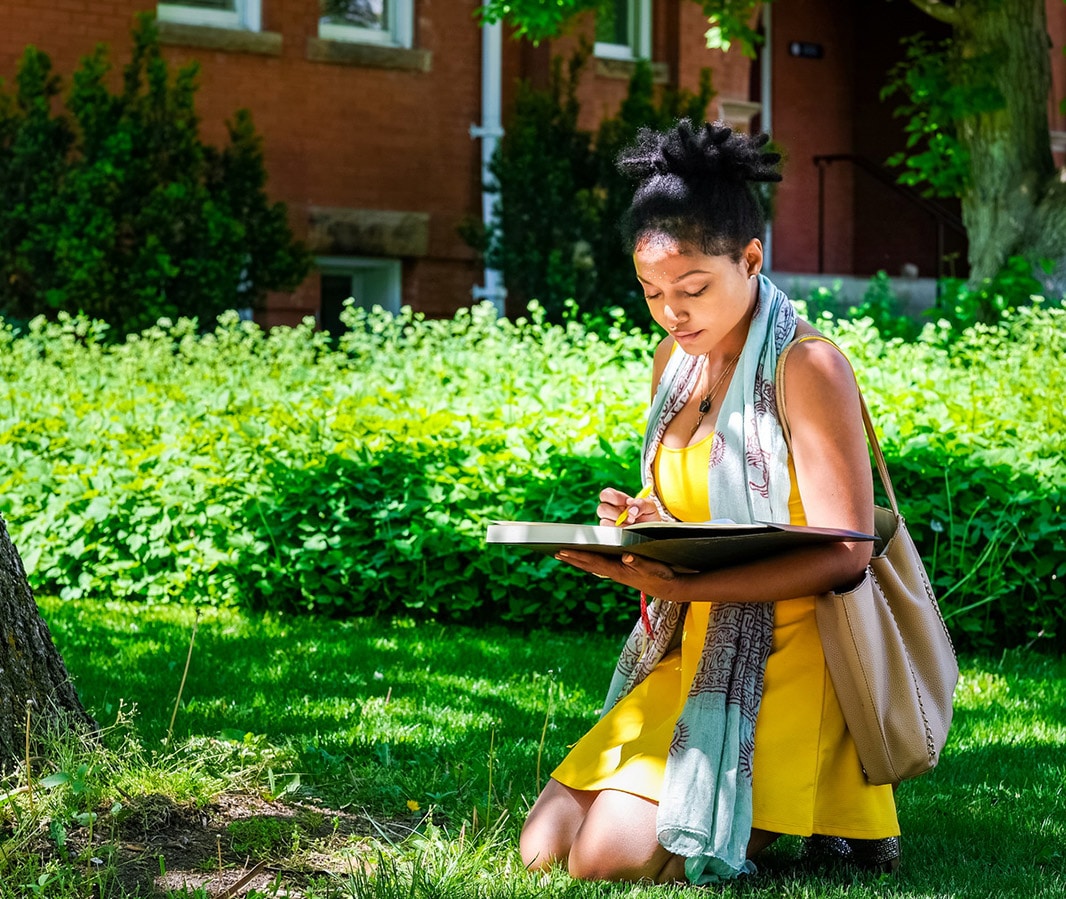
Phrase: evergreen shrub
x=111 y=205
x=560 y=196
x=280 y=470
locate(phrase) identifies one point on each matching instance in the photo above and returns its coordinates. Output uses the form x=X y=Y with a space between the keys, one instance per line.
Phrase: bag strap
x=871 y=435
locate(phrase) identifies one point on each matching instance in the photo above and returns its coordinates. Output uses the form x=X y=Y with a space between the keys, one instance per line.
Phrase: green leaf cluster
x=940 y=88
x=284 y=470
x=112 y=205
x=729 y=21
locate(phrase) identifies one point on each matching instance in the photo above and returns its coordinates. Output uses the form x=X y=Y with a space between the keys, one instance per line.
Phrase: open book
x=700 y=546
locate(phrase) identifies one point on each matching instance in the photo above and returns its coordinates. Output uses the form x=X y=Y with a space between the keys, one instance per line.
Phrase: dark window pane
x=612 y=23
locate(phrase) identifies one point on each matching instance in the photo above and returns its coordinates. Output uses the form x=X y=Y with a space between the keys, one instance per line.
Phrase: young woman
x=721 y=730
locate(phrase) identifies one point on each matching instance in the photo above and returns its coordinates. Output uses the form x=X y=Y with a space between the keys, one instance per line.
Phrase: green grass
x=378 y=717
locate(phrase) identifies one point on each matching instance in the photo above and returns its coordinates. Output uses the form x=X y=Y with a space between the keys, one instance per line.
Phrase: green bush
x=116 y=208
x=282 y=471
x=560 y=195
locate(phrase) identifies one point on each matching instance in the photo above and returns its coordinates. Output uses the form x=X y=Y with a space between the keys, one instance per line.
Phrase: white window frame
x=248 y=15
x=639 y=46
x=390 y=270
x=400 y=33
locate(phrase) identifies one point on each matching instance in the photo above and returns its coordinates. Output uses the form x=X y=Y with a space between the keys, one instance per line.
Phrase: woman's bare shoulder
x=819 y=359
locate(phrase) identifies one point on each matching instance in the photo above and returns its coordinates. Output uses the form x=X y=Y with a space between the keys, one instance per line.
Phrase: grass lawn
x=372 y=758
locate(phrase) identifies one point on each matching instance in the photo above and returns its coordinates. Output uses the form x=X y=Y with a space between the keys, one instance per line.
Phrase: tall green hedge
x=112 y=205
x=278 y=470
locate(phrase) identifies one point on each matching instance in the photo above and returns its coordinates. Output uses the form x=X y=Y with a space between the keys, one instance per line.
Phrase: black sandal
x=879 y=856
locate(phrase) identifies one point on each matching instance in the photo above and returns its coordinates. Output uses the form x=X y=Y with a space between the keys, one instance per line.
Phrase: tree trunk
x=31 y=670
x=1015 y=205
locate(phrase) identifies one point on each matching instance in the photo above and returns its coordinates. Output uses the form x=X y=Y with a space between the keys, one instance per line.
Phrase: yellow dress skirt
x=807 y=776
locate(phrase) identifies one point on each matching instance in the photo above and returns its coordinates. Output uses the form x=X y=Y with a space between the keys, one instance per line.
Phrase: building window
x=388 y=22
x=623 y=29
x=370 y=282
x=240 y=14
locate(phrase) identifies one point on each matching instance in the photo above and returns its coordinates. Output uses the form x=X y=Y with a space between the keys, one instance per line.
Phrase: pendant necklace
x=708 y=397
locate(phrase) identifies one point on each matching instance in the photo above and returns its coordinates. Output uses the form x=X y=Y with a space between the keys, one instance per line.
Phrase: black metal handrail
x=942 y=217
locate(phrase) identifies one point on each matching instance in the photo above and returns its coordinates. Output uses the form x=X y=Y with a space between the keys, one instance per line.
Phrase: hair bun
x=711 y=151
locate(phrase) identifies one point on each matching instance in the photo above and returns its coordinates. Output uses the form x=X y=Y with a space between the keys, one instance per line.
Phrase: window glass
x=369 y=282
x=230 y=5
x=612 y=23
x=243 y=14
x=359 y=13
x=623 y=29
x=367 y=21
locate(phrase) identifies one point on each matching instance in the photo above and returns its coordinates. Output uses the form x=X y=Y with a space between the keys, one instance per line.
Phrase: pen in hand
x=644 y=494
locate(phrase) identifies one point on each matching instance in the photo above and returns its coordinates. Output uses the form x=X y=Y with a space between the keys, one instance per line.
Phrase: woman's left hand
x=647 y=575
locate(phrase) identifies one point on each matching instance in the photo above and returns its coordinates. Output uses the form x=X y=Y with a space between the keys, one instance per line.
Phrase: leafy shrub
x=280 y=470
x=118 y=210
x=963 y=304
x=555 y=236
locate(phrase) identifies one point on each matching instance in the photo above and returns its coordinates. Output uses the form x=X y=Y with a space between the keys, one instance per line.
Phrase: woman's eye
x=697 y=293
x=650 y=297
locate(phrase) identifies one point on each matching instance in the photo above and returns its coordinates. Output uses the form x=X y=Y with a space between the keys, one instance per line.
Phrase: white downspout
x=766 y=80
x=490 y=131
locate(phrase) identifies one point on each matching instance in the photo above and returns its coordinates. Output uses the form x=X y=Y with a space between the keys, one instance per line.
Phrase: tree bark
x=1015 y=204
x=32 y=673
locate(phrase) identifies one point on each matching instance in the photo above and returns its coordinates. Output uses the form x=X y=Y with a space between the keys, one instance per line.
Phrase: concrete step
x=914 y=295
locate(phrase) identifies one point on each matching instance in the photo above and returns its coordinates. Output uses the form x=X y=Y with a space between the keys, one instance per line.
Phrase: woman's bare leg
x=618 y=841
x=552 y=825
x=605 y=835
x=759 y=840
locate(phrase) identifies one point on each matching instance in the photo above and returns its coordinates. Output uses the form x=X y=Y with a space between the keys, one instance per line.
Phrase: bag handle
x=871 y=435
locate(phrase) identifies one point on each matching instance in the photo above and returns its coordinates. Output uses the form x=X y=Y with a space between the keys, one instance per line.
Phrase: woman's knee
x=617 y=857
x=539 y=847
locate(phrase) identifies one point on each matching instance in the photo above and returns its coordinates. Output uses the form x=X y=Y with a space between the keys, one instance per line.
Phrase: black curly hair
x=695 y=183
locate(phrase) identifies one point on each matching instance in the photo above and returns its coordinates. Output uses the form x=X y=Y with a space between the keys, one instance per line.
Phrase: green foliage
x=879 y=306
x=279 y=471
x=534 y=19
x=118 y=210
x=939 y=89
x=963 y=304
x=275 y=470
x=561 y=196
x=729 y=20
x=974 y=441
x=730 y=23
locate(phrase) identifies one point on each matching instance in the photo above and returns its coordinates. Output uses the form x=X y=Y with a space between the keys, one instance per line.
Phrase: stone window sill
x=350 y=53
x=177 y=34
x=624 y=68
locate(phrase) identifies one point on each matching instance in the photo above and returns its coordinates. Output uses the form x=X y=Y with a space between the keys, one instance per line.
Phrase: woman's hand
x=614 y=502
x=647 y=575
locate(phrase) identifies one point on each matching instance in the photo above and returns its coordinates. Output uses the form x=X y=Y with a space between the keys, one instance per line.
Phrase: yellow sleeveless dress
x=807 y=776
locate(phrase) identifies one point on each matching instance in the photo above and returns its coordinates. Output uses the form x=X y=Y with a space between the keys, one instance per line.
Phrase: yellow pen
x=644 y=494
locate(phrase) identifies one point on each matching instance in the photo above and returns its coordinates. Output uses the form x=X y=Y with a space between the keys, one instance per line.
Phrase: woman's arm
x=836 y=487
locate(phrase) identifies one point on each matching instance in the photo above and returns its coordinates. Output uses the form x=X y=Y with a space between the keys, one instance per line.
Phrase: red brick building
x=376 y=114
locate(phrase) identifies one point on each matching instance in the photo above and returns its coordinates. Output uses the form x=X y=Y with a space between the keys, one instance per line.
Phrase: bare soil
x=224 y=850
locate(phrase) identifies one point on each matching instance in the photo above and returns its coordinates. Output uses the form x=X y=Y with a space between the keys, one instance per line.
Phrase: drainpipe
x=490 y=131
x=766 y=80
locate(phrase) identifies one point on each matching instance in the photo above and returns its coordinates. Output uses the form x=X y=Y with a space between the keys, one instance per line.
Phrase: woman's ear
x=753 y=257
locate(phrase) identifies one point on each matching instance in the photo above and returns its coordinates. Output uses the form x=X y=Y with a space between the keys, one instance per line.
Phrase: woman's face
x=700 y=300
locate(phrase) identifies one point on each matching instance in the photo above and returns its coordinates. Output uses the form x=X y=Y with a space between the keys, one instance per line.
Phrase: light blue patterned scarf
x=705 y=810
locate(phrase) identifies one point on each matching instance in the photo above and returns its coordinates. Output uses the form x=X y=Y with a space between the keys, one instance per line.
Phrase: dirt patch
x=237 y=844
